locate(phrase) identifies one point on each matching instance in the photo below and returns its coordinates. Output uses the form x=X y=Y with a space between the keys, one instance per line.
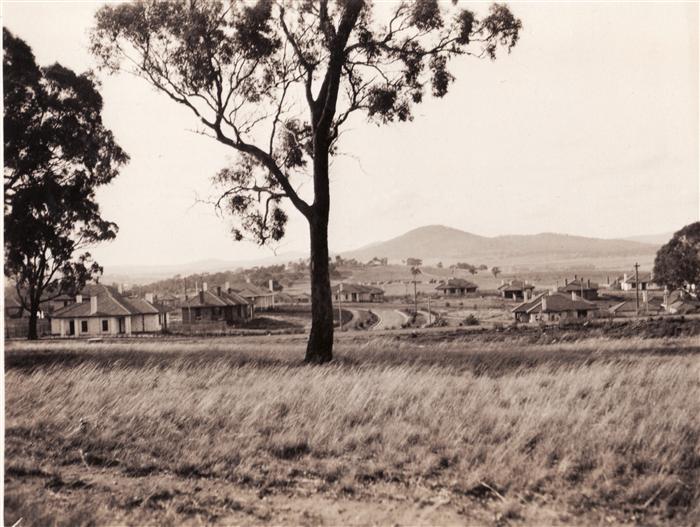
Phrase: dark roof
x=457 y=283
x=575 y=286
x=210 y=299
x=357 y=288
x=515 y=285
x=556 y=303
x=249 y=290
x=109 y=303
x=630 y=306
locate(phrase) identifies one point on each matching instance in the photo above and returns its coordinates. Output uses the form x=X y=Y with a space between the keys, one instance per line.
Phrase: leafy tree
x=677 y=263
x=415 y=271
x=56 y=152
x=414 y=262
x=277 y=81
x=495 y=271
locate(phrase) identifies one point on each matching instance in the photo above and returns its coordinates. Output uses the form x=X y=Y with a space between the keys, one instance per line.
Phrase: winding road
x=389 y=318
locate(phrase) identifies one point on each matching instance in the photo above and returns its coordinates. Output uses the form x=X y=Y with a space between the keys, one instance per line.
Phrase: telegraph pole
x=636 y=284
x=340 y=311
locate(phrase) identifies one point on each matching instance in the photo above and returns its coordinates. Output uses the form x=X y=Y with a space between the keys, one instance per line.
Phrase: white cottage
x=105 y=312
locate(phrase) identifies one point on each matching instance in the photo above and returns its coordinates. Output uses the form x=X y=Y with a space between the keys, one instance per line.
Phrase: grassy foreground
x=237 y=431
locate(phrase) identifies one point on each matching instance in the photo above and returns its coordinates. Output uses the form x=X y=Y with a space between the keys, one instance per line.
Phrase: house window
x=105 y=325
x=83 y=326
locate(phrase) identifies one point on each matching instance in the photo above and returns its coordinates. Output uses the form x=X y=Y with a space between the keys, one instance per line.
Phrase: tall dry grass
x=601 y=424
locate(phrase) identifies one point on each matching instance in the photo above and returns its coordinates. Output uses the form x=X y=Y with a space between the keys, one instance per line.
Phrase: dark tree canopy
x=277 y=80
x=57 y=152
x=677 y=263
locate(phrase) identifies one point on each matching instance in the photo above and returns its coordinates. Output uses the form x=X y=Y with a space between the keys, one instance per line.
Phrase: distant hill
x=656 y=239
x=439 y=243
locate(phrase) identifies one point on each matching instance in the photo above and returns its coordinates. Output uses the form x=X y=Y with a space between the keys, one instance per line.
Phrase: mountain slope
x=436 y=242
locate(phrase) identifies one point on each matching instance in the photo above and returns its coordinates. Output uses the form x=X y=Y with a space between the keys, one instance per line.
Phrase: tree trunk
x=320 y=346
x=33 y=334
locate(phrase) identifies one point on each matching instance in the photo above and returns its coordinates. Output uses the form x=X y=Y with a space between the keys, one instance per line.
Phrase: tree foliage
x=57 y=152
x=277 y=81
x=677 y=263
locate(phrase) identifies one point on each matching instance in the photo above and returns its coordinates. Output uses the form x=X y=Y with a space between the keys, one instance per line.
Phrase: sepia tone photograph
x=351 y=262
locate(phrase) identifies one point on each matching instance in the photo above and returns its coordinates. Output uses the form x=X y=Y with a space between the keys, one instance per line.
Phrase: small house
x=357 y=293
x=583 y=288
x=220 y=306
x=261 y=299
x=457 y=287
x=554 y=307
x=629 y=281
x=516 y=290
x=105 y=312
x=647 y=307
x=680 y=302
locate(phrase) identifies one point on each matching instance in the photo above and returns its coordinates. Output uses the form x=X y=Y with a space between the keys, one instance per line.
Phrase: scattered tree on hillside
x=495 y=271
x=439 y=265
x=677 y=263
x=278 y=80
x=57 y=152
x=414 y=262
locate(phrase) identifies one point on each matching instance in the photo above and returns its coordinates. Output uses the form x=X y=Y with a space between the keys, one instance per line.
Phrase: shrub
x=471 y=320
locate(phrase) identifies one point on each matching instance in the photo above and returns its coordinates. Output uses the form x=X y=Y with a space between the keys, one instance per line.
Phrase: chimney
x=544 y=303
x=271 y=284
x=201 y=297
x=78 y=299
x=503 y=282
x=218 y=290
x=120 y=289
x=227 y=286
x=566 y=282
x=624 y=277
x=589 y=283
x=575 y=277
x=149 y=298
x=573 y=296
x=247 y=279
x=93 y=304
x=204 y=286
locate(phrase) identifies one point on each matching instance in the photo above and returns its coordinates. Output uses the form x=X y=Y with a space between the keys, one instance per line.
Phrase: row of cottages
x=554 y=307
x=105 y=312
x=357 y=293
x=224 y=305
x=516 y=290
x=583 y=288
x=457 y=287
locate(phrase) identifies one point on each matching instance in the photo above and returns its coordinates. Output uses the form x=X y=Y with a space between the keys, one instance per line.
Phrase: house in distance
x=357 y=293
x=457 y=287
x=554 y=307
x=516 y=290
x=583 y=288
x=220 y=306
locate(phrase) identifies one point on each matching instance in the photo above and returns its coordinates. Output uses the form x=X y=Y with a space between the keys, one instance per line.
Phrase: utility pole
x=636 y=284
x=415 y=298
x=340 y=311
x=430 y=314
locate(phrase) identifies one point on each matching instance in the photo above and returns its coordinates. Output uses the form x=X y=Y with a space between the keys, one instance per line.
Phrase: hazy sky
x=589 y=127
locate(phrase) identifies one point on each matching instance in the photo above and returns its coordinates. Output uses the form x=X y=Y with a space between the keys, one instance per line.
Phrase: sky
x=589 y=127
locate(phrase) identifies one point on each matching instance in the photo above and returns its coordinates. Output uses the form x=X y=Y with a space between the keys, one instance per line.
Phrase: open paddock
x=446 y=427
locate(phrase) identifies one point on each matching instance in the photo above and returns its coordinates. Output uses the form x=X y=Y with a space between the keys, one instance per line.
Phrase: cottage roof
x=653 y=305
x=357 y=288
x=109 y=303
x=576 y=285
x=644 y=277
x=515 y=285
x=457 y=283
x=250 y=290
x=556 y=303
x=211 y=299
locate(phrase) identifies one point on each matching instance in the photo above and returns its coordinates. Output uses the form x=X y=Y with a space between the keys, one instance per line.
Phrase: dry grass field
x=397 y=430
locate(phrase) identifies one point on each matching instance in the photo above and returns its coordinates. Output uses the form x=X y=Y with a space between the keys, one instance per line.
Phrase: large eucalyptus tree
x=277 y=80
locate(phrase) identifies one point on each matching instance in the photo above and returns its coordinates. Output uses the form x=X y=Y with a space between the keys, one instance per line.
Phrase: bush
x=471 y=320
